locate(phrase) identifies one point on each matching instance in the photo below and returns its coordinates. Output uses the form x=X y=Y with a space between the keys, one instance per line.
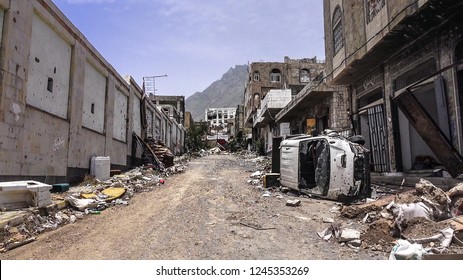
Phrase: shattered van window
x=322 y=170
x=306 y=166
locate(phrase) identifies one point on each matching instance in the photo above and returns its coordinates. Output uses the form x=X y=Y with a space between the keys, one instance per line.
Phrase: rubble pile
x=161 y=151
x=413 y=224
x=205 y=153
x=90 y=197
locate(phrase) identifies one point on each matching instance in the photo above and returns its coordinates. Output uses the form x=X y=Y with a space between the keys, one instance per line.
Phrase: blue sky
x=195 y=42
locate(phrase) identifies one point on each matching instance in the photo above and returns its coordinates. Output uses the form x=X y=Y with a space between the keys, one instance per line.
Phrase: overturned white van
x=326 y=166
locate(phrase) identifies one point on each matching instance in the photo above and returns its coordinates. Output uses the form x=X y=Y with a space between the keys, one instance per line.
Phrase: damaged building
x=401 y=61
x=62 y=103
x=292 y=75
x=220 y=123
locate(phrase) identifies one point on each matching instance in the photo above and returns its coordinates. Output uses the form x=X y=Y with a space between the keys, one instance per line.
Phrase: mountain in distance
x=228 y=92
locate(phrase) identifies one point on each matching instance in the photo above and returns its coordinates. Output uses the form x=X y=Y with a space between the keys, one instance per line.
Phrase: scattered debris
x=405 y=250
x=256 y=227
x=256 y=175
x=328 y=220
x=90 y=197
x=293 y=202
x=267 y=194
x=333 y=229
x=349 y=235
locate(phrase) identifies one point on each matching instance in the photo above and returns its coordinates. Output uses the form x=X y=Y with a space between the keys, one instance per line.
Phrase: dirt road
x=207 y=212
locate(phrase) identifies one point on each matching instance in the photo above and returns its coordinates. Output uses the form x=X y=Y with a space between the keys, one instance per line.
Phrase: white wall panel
x=49 y=70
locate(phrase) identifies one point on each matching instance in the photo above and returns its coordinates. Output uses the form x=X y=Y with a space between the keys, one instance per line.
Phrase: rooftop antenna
x=149 y=84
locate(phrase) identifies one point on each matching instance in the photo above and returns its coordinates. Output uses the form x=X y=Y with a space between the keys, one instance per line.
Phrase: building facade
x=402 y=63
x=293 y=74
x=174 y=106
x=61 y=102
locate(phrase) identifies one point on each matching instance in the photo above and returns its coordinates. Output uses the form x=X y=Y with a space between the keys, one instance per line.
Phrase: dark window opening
x=304 y=76
x=256 y=76
x=92 y=109
x=256 y=100
x=275 y=76
x=50 y=85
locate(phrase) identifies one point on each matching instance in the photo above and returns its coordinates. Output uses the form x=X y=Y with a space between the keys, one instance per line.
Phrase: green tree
x=194 y=137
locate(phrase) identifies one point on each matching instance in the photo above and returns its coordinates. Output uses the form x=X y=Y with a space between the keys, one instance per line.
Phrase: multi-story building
x=216 y=117
x=220 y=121
x=174 y=106
x=292 y=74
x=402 y=63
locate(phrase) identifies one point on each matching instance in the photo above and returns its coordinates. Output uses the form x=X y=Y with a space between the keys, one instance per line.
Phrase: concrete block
x=355 y=243
x=293 y=202
x=349 y=235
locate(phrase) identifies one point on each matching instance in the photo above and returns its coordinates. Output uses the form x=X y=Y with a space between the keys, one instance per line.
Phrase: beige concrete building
x=61 y=102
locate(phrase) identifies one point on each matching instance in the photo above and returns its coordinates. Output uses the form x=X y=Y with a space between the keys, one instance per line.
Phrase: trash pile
x=414 y=224
x=88 y=198
x=205 y=153
x=258 y=178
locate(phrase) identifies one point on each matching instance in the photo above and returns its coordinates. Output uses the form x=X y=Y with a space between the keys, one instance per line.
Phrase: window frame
x=304 y=78
x=275 y=73
x=338 y=30
x=256 y=76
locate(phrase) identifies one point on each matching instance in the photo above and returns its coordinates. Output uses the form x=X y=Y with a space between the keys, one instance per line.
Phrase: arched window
x=256 y=100
x=338 y=37
x=256 y=76
x=275 y=76
x=304 y=76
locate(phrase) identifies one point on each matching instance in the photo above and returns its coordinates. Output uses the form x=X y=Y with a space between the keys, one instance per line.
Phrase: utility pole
x=149 y=84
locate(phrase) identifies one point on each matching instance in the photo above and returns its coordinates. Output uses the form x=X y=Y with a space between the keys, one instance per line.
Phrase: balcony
x=274 y=101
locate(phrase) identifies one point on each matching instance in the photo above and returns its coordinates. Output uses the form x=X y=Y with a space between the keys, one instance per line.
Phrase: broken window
x=256 y=100
x=322 y=171
x=275 y=76
x=337 y=30
x=373 y=8
x=304 y=76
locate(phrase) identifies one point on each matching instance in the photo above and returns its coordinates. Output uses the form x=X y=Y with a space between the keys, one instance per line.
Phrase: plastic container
x=100 y=168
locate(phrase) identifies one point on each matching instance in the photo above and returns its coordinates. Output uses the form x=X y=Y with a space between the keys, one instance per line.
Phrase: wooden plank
x=457 y=223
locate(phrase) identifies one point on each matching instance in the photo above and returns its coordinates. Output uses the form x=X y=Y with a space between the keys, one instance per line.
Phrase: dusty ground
x=207 y=212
